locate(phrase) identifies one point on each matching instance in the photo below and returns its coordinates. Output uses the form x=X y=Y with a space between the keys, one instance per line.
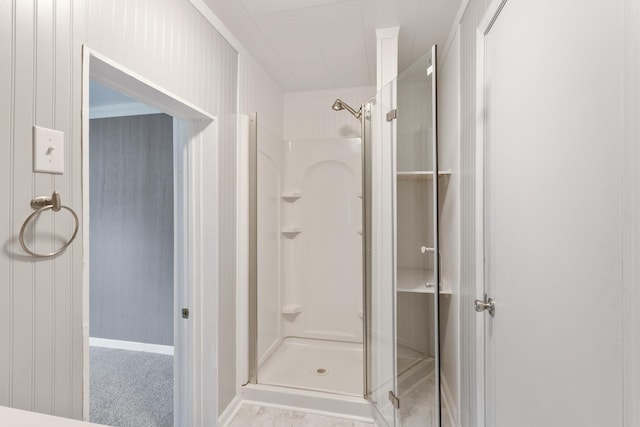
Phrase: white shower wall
x=321 y=267
x=269 y=188
x=322 y=241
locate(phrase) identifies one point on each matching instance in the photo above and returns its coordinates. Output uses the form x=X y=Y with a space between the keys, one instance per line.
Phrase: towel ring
x=41 y=204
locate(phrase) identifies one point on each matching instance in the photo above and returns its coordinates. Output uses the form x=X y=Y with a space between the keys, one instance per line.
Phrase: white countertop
x=10 y=417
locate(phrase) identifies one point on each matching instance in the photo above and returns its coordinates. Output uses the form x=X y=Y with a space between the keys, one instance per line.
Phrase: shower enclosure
x=345 y=281
x=308 y=327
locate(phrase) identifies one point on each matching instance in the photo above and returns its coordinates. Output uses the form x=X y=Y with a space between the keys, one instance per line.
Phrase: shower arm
x=357 y=114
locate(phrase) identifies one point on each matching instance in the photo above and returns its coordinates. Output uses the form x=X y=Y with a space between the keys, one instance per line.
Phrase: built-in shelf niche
x=414 y=279
x=421 y=175
x=419 y=280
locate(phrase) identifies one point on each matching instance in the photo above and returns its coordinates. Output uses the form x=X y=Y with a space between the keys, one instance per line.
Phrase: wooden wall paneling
x=41 y=324
x=43 y=241
x=63 y=265
x=23 y=283
x=6 y=183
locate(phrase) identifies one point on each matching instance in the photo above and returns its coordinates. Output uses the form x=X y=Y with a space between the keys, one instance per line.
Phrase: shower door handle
x=487 y=305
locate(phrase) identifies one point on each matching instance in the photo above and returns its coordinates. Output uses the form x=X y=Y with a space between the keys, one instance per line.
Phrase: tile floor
x=417 y=390
x=260 y=416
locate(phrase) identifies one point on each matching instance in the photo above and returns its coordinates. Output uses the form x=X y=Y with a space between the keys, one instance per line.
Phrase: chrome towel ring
x=41 y=204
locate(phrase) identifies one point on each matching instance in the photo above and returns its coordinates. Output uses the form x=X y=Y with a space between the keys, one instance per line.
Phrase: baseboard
x=230 y=411
x=131 y=345
x=448 y=401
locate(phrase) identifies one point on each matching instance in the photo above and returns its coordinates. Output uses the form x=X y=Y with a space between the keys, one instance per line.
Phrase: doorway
x=187 y=162
x=132 y=286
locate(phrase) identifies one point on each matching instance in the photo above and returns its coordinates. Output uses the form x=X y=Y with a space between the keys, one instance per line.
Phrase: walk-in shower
x=307 y=240
x=339 y=303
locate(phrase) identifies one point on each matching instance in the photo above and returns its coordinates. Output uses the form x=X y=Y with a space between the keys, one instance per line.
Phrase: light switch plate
x=48 y=150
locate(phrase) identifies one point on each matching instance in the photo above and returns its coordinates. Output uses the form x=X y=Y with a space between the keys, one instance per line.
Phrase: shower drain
x=321 y=371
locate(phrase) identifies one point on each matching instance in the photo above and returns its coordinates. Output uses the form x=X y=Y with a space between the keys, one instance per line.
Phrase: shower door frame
x=195 y=237
x=251 y=309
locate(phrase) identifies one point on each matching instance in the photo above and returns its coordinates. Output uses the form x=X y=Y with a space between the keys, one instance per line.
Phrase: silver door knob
x=487 y=305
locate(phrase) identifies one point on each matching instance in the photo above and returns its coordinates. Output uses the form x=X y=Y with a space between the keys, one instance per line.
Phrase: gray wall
x=131 y=228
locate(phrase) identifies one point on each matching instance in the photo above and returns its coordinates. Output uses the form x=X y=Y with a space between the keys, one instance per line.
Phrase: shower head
x=337 y=106
x=340 y=105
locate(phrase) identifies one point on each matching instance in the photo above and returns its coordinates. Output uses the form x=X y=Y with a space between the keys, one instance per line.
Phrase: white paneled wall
x=170 y=44
x=467 y=34
x=258 y=93
x=308 y=115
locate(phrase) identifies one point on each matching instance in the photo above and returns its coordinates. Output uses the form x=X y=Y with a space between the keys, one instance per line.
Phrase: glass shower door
x=417 y=246
x=382 y=380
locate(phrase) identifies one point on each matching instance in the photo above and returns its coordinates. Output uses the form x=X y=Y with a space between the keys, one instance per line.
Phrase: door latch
x=185 y=313
x=486 y=305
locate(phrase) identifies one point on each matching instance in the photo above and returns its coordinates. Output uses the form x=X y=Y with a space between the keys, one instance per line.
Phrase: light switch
x=48 y=150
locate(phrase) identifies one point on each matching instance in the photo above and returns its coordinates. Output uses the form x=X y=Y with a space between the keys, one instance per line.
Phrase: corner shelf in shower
x=291 y=231
x=420 y=175
x=291 y=196
x=291 y=309
x=418 y=280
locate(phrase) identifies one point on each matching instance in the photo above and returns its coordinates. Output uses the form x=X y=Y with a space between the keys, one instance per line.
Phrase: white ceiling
x=322 y=44
x=101 y=96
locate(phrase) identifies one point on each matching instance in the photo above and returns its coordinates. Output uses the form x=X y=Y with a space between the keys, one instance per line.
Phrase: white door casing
x=195 y=245
x=549 y=226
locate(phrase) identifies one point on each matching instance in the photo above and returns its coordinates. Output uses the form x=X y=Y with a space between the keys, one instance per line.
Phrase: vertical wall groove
x=52 y=324
x=33 y=266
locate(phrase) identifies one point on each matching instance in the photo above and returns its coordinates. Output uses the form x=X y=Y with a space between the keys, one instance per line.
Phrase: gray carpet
x=130 y=388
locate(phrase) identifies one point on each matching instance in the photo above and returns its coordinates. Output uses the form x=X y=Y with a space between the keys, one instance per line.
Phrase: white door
x=549 y=169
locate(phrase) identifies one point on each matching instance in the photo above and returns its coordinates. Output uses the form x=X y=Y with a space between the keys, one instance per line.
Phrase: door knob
x=487 y=305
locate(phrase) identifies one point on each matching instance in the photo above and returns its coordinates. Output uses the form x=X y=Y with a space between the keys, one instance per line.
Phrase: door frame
x=195 y=236
x=486 y=23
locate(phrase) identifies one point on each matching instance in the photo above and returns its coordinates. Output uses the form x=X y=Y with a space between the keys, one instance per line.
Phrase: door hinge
x=392 y=115
x=185 y=313
x=395 y=401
